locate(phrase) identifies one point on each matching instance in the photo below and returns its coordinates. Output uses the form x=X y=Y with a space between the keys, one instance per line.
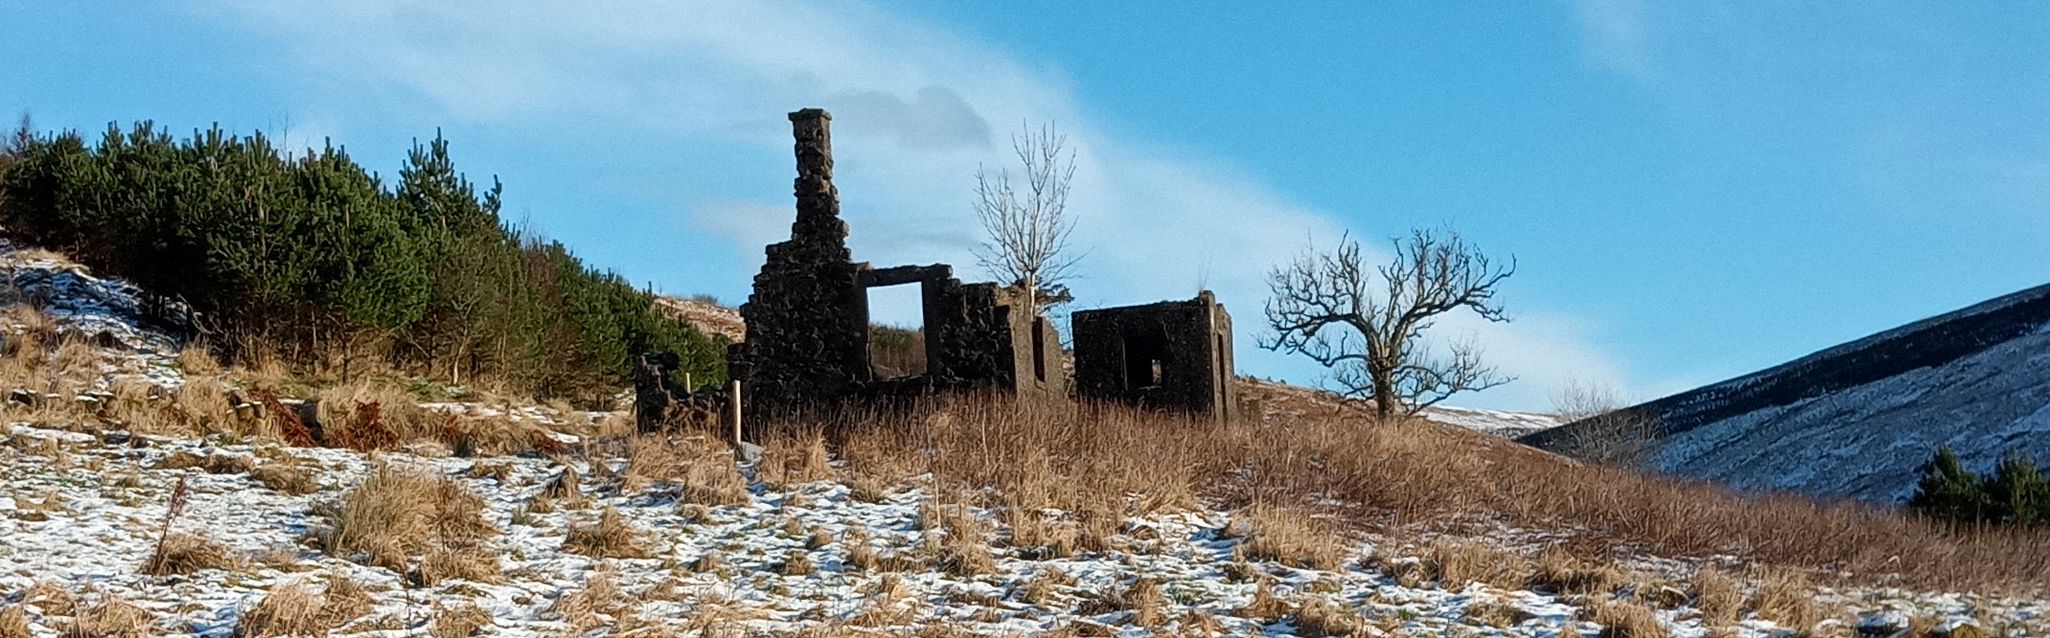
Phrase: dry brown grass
x=1623 y=619
x=1318 y=616
x=50 y=597
x=1418 y=473
x=1495 y=613
x=589 y=608
x=1292 y=536
x=1453 y=564
x=286 y=610
x=284 y=477
x=185 y=554
x=14 y=622
x=1717 y=596
x=794 y=458
x=471 y=563
x=611 y=537
x=397 y=513
x=197 y=358
x=1142 y=597
x=111 y=617
x=1786 y=598
x=700 y=469
x=457 y=621
x=1560 y=572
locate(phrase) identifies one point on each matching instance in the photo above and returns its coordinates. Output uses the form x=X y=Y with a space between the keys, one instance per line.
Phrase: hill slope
x=1858 y=419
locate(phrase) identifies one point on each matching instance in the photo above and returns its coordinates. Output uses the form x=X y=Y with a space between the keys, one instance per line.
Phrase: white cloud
x=914 y=107
x=1614 y=35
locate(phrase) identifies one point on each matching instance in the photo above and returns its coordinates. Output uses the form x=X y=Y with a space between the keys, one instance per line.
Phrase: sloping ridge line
x=1927 y=343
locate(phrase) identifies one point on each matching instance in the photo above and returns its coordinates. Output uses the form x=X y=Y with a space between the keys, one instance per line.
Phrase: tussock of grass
x=14 y=622
x=111 y=617
x=286 y=478
x=589 y=608
x=798 y=563
x=458 y=621
x=286 y=610
x=1562 y=573
x=1717 y=597
x=50 y=597
x=474 y=564
x=1623 y=619
x=1495 y=613
x=1291 y=537
x=185 y=554
x=1787 y=599
x=1142 y=597
x=396 y=513
x=795 y=458
x=195 y=359
x=611 y=537
x=1318 y=616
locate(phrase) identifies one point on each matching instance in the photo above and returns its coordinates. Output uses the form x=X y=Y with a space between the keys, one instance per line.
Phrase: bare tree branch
x=1027 y=219
x=1325 y=307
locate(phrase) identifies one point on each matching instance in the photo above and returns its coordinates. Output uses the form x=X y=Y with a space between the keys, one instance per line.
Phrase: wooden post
x=733 y=408
x=687 y=387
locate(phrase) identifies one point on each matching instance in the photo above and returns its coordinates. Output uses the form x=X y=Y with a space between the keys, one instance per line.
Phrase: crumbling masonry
x=807 y=320
x=1172 y=355
x=808 y=330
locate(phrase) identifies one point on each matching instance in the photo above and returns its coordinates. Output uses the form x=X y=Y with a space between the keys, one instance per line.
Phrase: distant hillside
x=1858 y=419
x=706 y=315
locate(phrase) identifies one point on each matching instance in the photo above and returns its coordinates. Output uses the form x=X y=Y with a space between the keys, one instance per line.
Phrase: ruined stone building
x=1171 y=355
x=808 y=320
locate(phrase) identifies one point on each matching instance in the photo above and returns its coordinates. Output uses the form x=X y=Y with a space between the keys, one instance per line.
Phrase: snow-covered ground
x=82 y=512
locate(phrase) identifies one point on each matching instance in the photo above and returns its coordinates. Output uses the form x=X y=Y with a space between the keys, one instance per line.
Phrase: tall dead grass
x=1403 y=474
x=397 y=513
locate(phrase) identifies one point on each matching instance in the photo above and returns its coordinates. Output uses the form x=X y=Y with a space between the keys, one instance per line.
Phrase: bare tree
x=1328 y=307
x=1599 y=429
x=1027 y=219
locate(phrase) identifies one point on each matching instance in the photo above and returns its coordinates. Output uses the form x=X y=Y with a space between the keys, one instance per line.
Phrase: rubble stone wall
x=1171 y=355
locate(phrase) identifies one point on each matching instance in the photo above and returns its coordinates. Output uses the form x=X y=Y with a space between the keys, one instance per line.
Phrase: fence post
x=733 y=408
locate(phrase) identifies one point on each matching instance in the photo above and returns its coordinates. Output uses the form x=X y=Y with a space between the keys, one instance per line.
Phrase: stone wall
x=807 y=319
x=1171 y=355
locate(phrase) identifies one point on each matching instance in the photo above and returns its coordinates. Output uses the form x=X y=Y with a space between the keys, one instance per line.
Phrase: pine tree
x=1949 y=491
x=2018 y=491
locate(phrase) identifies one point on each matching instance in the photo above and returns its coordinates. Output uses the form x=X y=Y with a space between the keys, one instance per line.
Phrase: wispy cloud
x=1614 y=36
x=914 y=107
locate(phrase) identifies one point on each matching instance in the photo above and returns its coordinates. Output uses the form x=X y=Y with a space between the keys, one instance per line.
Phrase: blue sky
x=1693 y=190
